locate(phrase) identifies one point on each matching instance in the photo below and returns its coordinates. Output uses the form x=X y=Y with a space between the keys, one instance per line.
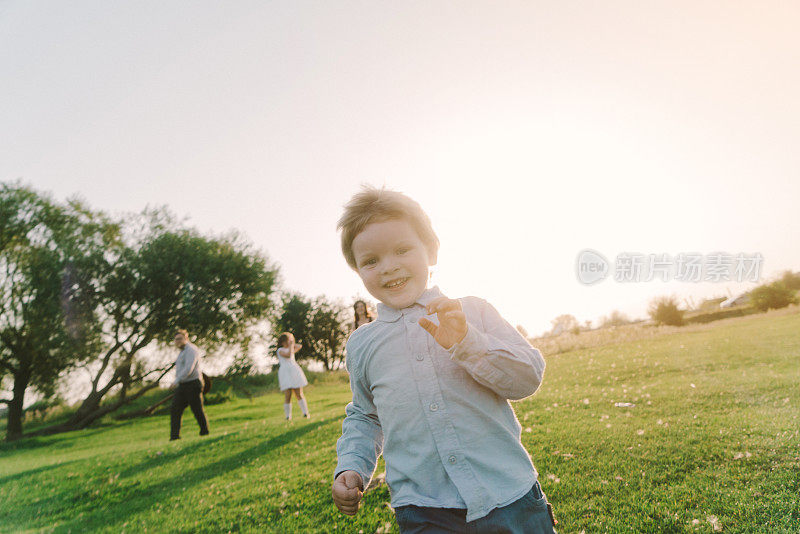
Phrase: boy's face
x=392 y=261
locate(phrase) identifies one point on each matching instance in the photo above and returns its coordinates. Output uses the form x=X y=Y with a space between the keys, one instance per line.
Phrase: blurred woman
x=362 y=314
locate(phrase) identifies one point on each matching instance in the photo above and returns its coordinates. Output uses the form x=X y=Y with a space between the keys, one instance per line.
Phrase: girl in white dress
x=290 y=376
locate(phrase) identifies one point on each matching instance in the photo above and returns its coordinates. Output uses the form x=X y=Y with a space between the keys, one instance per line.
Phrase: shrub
x=772 y=296
x=664 y=310
x=702 y=318
x=45 y=409
x=220 y=392
x=616 y=318
x=791 y=280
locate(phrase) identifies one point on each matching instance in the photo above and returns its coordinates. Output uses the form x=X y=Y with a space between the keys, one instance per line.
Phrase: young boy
x=431 y=380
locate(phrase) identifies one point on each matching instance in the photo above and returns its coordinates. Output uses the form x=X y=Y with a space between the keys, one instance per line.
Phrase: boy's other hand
x=347 y=492
x=452 y=325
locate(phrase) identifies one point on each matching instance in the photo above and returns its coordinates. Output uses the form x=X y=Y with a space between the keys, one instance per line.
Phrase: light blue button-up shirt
x=442 y=418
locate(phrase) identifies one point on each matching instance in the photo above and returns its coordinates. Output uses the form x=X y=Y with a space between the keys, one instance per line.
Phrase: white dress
x=290 y=374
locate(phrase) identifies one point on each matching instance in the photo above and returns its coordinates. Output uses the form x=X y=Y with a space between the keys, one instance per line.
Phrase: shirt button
x=420 y=357
x=434 y=406
x=452 y=459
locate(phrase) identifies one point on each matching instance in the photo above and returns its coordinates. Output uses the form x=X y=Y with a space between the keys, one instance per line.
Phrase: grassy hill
x=711 y=444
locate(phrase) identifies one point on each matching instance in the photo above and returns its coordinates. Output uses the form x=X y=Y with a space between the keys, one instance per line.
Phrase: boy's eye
x=370 y=261
x=402 y=250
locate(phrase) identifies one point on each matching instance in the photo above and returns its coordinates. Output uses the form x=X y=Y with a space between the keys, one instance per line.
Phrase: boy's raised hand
x=452 y=325
x=347 y=492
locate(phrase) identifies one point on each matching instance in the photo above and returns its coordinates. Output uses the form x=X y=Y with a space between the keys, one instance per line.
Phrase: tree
x=772 y=296
x=320 y=325
x=217 y=288
x=294 y=315
x=46 y=322
x=242 y=364
x=615 y=318
x=664 y=310
x=79 y=289
x=564 y=323
x=330 y=327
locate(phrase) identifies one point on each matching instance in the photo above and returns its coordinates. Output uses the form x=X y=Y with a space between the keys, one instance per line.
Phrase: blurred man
x=189 y=384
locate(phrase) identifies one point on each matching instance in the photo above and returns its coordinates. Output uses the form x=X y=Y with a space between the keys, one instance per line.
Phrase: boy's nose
x=388 y=267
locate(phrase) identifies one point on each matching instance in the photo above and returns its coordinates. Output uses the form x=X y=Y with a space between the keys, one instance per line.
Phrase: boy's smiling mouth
x=396 y=283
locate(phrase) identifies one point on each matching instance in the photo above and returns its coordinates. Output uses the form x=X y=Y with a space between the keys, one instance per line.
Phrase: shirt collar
x=389 y=314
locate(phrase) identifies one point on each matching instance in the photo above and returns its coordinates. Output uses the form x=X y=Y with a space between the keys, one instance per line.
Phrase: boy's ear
x=432 y=257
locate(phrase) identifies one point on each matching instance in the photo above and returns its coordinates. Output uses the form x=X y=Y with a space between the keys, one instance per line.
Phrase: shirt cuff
x=474 y=346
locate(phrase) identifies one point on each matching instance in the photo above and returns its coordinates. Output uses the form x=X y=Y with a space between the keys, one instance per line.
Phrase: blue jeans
x=527 y=515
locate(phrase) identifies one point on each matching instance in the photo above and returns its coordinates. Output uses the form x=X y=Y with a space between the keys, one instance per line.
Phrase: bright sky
x=528 y=131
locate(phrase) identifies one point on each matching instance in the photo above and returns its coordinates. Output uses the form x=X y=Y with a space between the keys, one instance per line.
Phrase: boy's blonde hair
x=379 y=205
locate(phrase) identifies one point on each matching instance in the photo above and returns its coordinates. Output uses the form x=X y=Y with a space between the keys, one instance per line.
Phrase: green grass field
x=712 y=444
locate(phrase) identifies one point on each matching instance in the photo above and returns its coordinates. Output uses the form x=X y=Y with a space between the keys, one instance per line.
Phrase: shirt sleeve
x=497 y=356
x=361 y=442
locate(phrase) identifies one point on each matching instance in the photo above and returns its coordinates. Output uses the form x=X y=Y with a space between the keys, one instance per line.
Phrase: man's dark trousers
x=188 y=394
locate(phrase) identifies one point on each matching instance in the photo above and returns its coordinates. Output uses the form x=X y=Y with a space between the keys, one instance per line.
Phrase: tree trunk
x=15 y=407
x=91 y=404
x=88 y=415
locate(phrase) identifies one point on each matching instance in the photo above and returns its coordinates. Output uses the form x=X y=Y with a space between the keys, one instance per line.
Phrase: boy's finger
x=352 y=479
x=343 y=506
x=348 y=510
x=441 y=304
x=428 y=325
x=444 y=306
x=435 y=302
x=345 y=497
x=456 y=315
x=349 y=494
x=351 y=504
x=342 y=494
